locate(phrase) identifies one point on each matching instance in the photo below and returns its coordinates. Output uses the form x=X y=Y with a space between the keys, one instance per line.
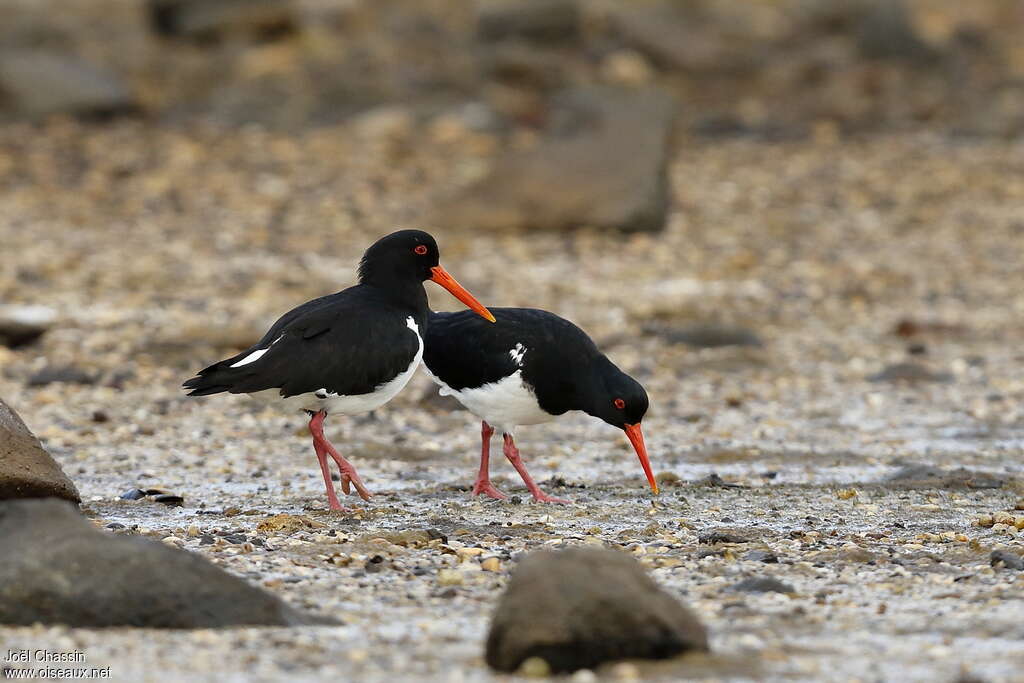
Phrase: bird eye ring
x=420 y=249
x=619 y=403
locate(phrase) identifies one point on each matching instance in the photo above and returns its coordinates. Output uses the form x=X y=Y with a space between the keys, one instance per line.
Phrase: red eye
x=619 y=403
x=421 y=249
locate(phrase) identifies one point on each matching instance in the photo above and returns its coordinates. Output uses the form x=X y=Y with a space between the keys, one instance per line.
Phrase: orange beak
x=441 y=277
x=636 y=437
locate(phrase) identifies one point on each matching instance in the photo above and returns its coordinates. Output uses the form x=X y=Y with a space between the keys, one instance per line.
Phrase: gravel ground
x=163 y=249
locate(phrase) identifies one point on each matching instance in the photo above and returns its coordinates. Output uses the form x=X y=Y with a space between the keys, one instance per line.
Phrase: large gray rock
x=580 y=607
x=58 y=568
x=38 y=83
x=607 y=170
x=26 y=469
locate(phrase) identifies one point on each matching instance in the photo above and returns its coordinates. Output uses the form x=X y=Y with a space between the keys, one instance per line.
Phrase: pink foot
x=485 y=487
x=349 y=476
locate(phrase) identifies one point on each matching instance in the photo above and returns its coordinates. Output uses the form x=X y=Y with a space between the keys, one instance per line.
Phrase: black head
x=400 y=262
x=617 y=398
x=406 y=255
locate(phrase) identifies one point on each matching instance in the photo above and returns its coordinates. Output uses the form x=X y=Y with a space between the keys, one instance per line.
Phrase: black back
x=348 y=343
x=558 y=358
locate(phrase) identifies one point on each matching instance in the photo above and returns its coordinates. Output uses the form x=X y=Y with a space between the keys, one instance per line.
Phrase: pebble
x=535 y=667
x=449 y=577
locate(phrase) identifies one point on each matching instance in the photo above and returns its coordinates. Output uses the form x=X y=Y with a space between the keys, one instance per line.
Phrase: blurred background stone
x=603 y=163
x=38 y=83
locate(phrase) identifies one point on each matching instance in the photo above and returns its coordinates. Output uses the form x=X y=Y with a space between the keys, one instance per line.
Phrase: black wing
x=347 y=343
x=464 y=350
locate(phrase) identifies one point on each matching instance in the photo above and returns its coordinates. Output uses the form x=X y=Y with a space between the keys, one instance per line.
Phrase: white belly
x=504 y=404
x=354 y=404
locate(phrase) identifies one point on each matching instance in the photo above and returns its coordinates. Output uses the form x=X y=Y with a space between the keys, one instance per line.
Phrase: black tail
x=210 y=380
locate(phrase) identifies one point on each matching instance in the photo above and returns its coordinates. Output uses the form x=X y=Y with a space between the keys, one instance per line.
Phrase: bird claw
x=349 y=477
x=486 y=488
x=541 y=497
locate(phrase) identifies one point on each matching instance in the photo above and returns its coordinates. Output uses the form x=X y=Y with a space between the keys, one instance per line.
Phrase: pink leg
x=325 y=469
x=512 y=453
x=483 y=478
x=323 y=447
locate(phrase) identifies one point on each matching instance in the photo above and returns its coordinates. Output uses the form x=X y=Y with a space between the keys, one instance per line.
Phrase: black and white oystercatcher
x=528 y=368
x=349 y=352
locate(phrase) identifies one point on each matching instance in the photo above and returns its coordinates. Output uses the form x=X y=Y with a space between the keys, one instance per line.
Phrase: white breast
x=504 y=404
x=355 y=404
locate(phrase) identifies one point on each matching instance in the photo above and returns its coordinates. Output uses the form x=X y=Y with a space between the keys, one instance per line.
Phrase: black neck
x=404 y=292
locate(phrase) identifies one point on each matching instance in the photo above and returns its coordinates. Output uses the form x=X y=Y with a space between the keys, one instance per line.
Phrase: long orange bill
x=636 y=437
x=441 y=277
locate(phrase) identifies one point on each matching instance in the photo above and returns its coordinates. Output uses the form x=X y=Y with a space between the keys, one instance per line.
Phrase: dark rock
x=765 y=556
x=607 y=171
x=133 y=494
x=928 y=476
x=41 y=83
x=60 y=374
x=717 y=536
x=535 y=20
x=1007 y=559
x=706 y=335
x=909 y=372
x=59 y=569
x=579 y=607
x=22 y=325
x=762 y=584
x=26 y=469
x=206 y=21
x=885 y=32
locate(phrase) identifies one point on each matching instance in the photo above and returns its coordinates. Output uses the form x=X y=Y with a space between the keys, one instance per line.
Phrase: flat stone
x=579 y=607
x=706 y=335
x=909 y=372
x=535 y=20
x=61 y=374
x=40 y=83
x=761 y=584
x=21 y=325
x=1006 y=559
x=929 y=476
x=59 y=569
x=602 y=164
x=26 y=469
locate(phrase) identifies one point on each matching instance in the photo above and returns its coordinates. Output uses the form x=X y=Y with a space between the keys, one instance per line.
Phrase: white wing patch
x=255 y=355
x=517 y=354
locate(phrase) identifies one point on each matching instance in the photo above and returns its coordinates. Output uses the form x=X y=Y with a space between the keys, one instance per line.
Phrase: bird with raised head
x=529 y=367
x=348 y=352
